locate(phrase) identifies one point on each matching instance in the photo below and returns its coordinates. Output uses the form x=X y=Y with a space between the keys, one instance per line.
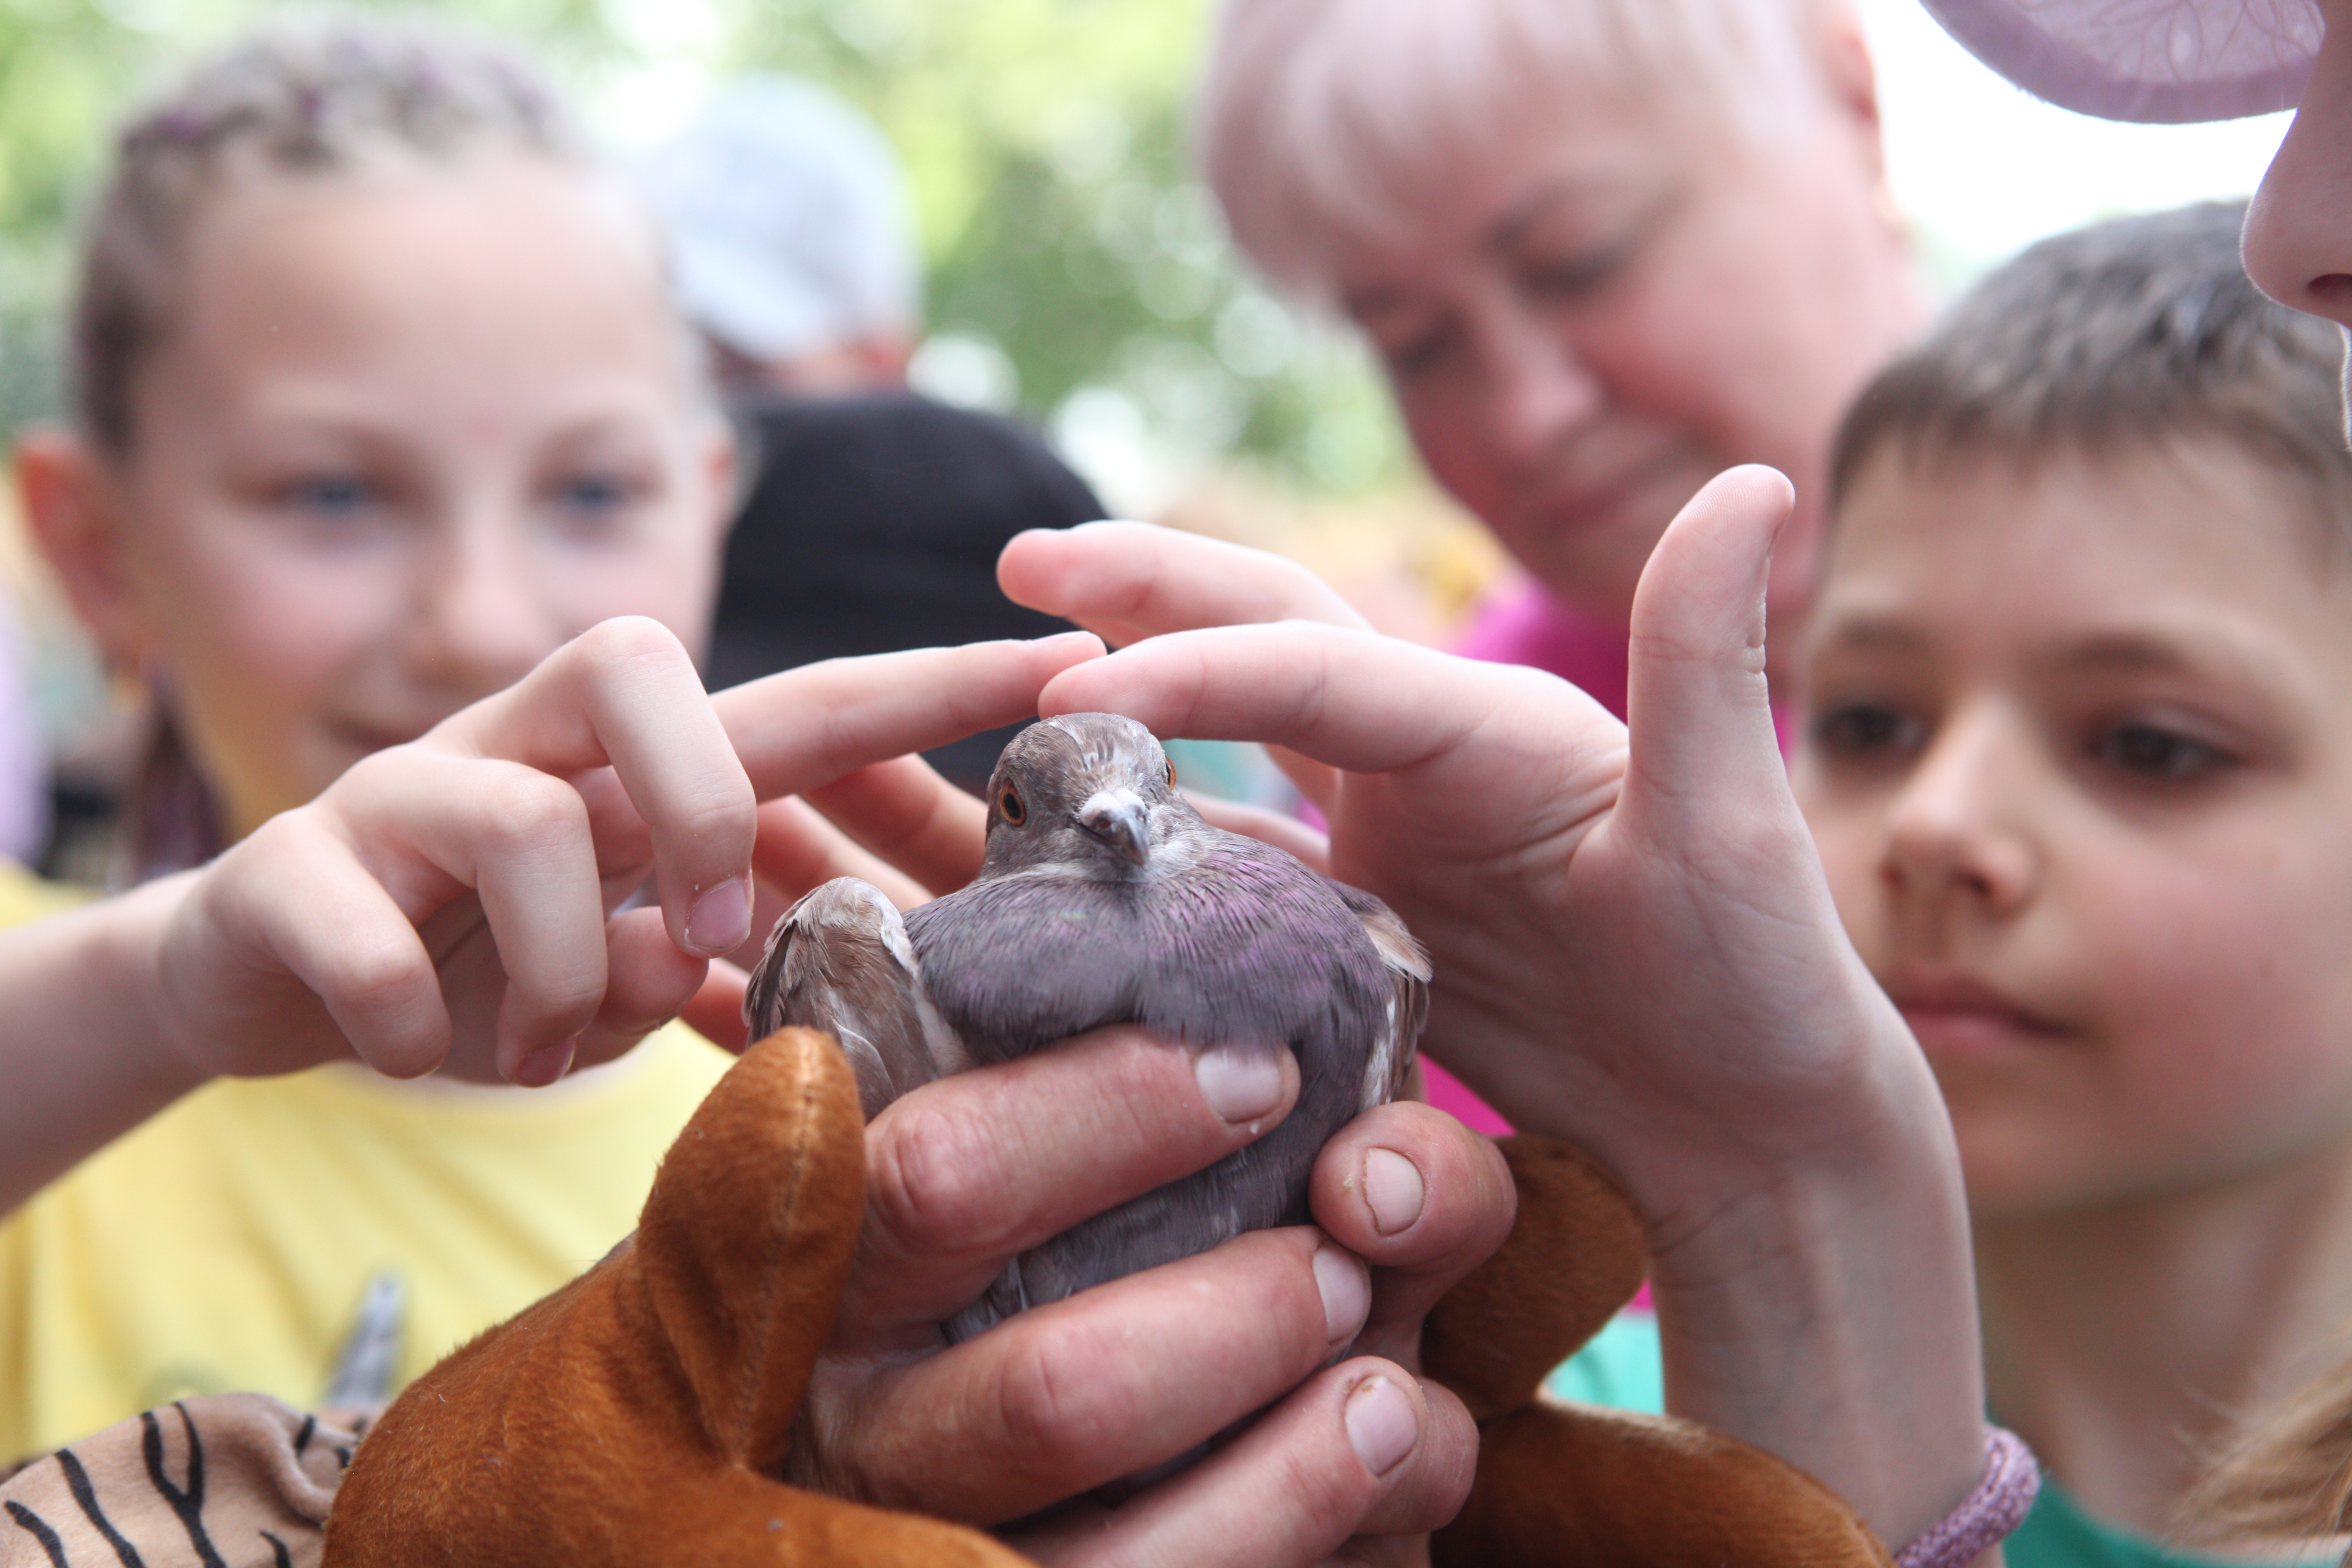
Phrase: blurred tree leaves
x=1045 y=143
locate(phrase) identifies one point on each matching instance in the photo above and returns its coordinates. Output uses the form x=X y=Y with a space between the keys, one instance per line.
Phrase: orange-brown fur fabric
x=1562 y=1485
x=640 y=1415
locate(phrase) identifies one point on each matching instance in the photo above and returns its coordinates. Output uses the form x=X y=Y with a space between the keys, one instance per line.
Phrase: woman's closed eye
x=1570 y=278
x=1418 y=352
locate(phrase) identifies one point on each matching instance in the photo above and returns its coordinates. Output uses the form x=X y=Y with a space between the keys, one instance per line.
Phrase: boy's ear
x=74 y=505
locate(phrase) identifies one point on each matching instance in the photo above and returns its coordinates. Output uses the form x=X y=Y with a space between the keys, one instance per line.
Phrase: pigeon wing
x=839 y=961
x=1407 y=964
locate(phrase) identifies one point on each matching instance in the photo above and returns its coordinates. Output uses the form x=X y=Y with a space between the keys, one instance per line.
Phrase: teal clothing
x=1621 y=1368
x=2059 y=1534
x=1618 y=1367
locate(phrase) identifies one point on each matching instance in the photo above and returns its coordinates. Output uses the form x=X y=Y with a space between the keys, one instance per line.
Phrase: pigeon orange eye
x=1010 y=803
x=1172 y=772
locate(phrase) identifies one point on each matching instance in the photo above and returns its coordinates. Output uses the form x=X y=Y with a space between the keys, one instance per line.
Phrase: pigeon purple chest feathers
x=1106 y=898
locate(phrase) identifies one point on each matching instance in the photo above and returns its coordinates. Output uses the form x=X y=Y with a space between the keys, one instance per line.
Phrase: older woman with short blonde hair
x=1603 y=249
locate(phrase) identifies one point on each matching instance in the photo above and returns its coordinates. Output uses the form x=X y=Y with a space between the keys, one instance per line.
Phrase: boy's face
x=411 y=430
x=2080 y=767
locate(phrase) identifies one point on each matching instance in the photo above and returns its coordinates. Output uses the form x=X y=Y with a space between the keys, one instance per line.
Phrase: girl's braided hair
x=297 y=98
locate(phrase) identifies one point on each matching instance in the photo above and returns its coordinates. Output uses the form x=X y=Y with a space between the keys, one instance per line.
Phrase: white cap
x=787 y=220
x=2158 y=61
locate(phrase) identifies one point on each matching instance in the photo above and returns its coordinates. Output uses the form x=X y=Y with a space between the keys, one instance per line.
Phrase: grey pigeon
x=1104 y=898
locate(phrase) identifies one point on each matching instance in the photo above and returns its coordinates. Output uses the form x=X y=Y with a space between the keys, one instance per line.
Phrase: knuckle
x=629 y=640
x=377 y=978
x=521 y=809
x=935 y=1180
x=1060 y=1402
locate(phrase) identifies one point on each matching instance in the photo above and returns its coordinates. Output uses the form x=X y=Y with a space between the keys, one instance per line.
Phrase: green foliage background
x=1045 y=140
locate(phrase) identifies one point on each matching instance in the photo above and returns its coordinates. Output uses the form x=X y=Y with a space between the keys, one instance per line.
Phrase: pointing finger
x=1529 y=746
x=625 y=693
x=807 y=727
x=1129 y=581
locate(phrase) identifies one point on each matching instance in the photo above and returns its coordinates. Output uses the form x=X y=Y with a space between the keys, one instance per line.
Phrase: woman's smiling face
x=1626 y=296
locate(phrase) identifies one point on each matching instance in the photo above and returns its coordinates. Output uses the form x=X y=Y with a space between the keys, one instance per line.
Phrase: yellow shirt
x=227 y=1242
x=25 y=896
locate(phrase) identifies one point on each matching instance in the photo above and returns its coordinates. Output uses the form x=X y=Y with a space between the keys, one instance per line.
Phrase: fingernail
x=720 y=918
x=1382 y=1426
x=545 y=1065
x=1241 y=1083
x=1393 y=1186
x=1064 y=639
x=1347 y=1292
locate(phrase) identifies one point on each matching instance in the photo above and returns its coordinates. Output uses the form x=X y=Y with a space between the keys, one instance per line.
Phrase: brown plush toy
x=642 y=1414
x=1564 y=1484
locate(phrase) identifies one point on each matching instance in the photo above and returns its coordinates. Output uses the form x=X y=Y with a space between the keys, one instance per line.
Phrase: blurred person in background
x=1601 y=249
x=874 y=517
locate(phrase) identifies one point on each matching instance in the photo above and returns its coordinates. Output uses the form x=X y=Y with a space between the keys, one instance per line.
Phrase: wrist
x=1849 y=1274
x=133 y=959
x=82 y=1043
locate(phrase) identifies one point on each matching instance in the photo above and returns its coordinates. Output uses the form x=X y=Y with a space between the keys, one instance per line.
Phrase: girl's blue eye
x=1866 y=731
x=2151 y=752
x=336 y=495
x=593 y=493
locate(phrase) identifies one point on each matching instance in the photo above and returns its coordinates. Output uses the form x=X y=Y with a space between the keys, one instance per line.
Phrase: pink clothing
x=1527 y=626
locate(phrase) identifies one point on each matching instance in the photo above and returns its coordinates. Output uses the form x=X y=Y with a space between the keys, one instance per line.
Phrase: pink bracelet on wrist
x=1986 y=1515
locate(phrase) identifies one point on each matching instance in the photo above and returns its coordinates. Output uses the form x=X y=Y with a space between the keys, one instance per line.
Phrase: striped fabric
x=221 y=1481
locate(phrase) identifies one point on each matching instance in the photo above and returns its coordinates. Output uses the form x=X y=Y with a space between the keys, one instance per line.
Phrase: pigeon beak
x=1119 y=818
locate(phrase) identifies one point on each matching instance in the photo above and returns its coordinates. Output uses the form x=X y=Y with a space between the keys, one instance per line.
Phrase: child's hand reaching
x=457 y=901
x=1634 y=949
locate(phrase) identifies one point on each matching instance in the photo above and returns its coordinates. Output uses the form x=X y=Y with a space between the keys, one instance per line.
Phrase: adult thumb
x=1697 y=705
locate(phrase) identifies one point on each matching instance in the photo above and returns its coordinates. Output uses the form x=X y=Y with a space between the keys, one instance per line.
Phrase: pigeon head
x=1087 y=795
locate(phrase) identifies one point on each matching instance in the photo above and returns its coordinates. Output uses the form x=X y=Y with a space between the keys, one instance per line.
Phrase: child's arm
x=452 y=898
x=1635 y=949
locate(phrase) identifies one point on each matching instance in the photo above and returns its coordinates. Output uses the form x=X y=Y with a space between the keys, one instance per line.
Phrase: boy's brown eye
x=1010 y=803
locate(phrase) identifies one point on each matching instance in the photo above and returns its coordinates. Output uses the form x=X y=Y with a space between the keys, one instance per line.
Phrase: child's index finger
x=805 y=728
x=1135 y=579
x=1355 y=701
x=625 y=694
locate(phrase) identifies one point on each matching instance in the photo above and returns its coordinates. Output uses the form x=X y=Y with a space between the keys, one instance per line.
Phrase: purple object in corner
x=2155 y=61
